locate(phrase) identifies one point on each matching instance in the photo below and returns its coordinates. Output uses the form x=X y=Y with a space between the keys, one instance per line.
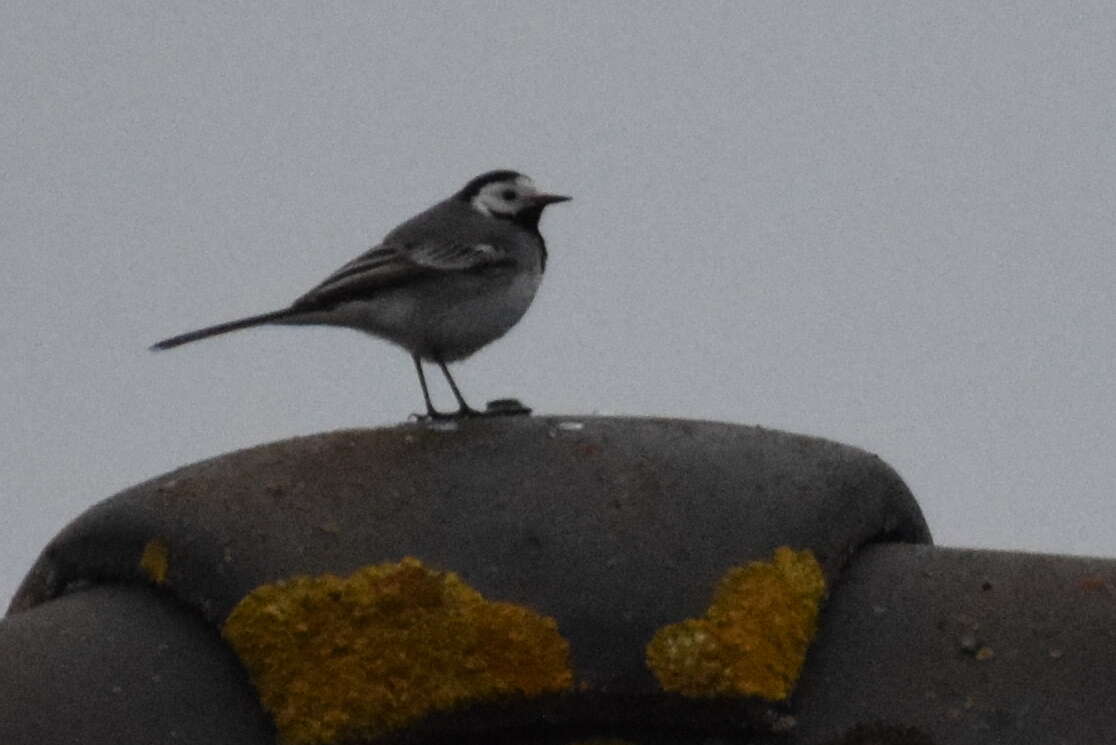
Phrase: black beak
x=542 y=200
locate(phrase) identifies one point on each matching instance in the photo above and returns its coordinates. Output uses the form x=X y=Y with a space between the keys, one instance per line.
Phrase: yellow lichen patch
x=155 y=560
x=353 y=658
x=753 y=639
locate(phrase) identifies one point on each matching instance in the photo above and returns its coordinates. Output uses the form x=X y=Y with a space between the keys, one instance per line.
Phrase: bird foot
x=433 y=415
x=499 y=407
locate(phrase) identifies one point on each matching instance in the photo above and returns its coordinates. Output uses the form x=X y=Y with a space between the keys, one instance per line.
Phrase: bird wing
x=392 y=265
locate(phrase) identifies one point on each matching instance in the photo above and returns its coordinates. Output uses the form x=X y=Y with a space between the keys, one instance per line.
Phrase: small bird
x=441 y=285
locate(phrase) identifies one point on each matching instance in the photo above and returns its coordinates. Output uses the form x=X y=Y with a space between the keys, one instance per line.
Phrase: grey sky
x=887 y=224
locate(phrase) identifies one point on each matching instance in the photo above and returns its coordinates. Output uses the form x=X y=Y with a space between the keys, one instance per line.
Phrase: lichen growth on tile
x=155 y=560
x=354 y=658
x=753 y=639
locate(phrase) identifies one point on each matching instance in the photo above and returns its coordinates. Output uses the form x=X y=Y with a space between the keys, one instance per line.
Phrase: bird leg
x=465 y=409
x=431 y=412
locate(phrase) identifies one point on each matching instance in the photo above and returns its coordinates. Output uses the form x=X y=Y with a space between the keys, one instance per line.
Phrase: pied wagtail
x=441 y=285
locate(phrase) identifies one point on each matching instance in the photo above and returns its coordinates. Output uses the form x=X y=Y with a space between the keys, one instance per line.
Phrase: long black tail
x=222 y=328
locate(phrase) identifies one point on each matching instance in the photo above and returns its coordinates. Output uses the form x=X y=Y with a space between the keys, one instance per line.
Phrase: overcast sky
x=888 y=224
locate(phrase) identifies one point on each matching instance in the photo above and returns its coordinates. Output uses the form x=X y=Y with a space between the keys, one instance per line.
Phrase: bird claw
x=432 y=416
x=499 y=407
x=445 y=416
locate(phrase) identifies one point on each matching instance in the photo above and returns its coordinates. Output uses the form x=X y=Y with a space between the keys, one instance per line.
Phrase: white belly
x=441 y=318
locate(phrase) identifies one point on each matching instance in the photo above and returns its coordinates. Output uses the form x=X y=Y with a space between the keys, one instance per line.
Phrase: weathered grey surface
x=615 y=527
x=122 y=666
x=973 y=647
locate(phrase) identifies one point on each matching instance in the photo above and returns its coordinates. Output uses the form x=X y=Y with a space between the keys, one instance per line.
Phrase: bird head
x=507 y=195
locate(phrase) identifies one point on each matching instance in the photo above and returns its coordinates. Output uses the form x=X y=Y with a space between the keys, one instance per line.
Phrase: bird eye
x=508 y=195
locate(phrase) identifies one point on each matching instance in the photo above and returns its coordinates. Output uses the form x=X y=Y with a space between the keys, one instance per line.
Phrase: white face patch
x=480 y=206
x=504 y=197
